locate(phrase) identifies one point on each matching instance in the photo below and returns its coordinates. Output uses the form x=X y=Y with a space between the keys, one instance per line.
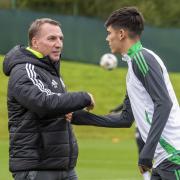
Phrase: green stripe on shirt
x=140 y=61
x=177 y=173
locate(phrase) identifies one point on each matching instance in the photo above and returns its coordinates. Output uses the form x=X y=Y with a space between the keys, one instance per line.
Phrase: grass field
x=99 y=159
x=105 y=154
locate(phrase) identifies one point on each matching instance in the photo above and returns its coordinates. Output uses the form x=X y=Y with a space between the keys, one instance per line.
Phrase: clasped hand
x=88 y=108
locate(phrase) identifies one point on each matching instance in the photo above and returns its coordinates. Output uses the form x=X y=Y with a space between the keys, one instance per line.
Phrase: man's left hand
x=144 y=164
x=144 y=169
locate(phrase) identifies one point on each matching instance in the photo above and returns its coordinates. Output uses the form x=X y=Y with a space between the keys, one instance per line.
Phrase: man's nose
x=59 y=43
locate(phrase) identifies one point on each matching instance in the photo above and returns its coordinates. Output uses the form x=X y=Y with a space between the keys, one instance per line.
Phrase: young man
x=42 y=142
x=152 y=98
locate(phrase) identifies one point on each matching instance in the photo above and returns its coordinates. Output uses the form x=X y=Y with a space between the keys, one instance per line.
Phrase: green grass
x=99 y=159
x=3 y=105
x=105 y=153
x=4 y=175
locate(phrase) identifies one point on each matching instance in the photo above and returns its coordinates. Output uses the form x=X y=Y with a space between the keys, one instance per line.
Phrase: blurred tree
x=5 y=4
x=156 y=12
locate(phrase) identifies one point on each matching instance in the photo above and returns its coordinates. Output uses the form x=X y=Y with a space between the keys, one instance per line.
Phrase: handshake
x=88 y=108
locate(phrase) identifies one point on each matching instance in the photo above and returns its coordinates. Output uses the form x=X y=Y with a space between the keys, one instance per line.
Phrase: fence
x=85 y=37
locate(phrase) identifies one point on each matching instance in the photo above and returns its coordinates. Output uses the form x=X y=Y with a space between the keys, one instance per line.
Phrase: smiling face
x=48 y=41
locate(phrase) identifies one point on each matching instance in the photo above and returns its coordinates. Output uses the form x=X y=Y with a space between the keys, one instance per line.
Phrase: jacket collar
x=36 y=53
x=53 y=67
x=132 y=51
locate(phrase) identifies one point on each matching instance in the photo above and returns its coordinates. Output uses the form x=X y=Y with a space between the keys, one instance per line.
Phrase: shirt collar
x=36 y=53
x=134 y=49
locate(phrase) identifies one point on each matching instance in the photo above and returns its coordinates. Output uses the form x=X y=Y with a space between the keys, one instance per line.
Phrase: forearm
x=40 y=99
x=160 y=118
x=118 y=120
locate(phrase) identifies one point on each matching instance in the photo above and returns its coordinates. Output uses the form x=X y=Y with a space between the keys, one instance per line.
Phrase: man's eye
x=52 y=38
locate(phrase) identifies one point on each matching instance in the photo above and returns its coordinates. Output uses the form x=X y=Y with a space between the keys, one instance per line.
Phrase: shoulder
x=22 y=72
x=18 y=70
x=145 y=61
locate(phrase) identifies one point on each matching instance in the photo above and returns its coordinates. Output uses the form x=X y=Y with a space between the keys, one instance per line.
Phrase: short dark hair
x=129 y=18
x=36 y=25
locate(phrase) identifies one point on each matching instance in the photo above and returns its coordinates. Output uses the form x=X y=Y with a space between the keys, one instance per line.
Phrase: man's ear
x=122 y=34
x=34 y=43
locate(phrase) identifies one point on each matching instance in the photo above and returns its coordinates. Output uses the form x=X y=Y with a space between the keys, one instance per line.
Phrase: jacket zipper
x=69 y=128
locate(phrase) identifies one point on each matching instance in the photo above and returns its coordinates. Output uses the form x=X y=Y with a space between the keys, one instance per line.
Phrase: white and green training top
x=154 y=105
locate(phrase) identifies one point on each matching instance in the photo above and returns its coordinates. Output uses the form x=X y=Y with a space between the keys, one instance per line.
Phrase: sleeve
x=117 y=120
x=117 y=108
x=40 y=99
x=150 y=74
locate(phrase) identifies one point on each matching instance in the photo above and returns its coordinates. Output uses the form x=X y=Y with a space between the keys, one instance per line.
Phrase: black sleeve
x=117 y=120
x=150 y=74
x=117 y=108
x=41 y=103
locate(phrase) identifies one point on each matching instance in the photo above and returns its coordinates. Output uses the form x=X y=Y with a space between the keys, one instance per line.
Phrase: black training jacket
x=40 y=137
